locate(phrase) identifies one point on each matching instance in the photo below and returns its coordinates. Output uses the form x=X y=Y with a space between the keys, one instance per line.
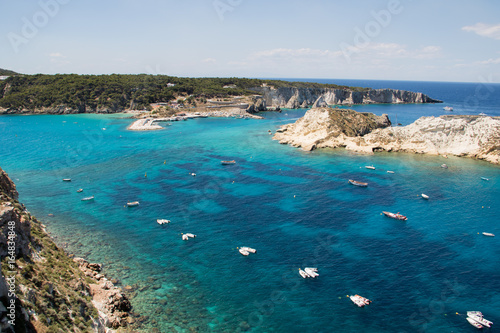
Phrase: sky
x=419 y=40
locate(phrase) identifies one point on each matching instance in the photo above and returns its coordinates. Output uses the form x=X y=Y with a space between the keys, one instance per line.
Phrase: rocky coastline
x=459 y=135
x=41 y=287
x=292 y=98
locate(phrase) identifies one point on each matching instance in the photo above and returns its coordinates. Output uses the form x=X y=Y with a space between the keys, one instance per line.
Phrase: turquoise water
x=296 y=208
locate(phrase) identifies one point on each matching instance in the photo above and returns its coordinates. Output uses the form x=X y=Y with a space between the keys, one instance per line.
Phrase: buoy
x=146 y=175
x=165 y=162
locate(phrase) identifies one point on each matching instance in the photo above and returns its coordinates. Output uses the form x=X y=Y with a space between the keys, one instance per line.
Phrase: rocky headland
x=460 y=135
x=42 y=289
x=292 y=98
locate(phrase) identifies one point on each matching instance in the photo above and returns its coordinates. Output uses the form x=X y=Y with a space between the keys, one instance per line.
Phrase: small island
x=460 y=135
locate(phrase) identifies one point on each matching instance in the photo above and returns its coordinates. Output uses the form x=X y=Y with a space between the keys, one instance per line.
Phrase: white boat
x=389 y=171
x=245 y=250
x=370 y=167
x=478 y=316
x=488 y=234
x=484 y=178
x=79 y=190
x=133 y=203
x=425 y=196
x=88 y=198
x=360 y=300
x=228 y=162
x=303 y=274
x=448 y=108
x=444 y=166
x=396 y=216
x=482 y=114
x=356 y=183
x=162 y=221
x=66 y=179
x=312 y=272
x=192 y=174
x=187 y=236
x=474 y=323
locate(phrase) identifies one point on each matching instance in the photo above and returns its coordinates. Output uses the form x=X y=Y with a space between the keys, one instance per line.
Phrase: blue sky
x=440 y=40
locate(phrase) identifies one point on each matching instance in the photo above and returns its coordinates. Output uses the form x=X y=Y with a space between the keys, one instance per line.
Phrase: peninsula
x=164 y=95
x=460 y=135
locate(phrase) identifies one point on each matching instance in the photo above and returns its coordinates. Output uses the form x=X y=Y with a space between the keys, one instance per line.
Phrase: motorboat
x=79 y=190
x=88 y=198
x=312 y=272
x=474 y=323
x=133 y=203
x=425 y=196
x=303 y=274
x=308 y=272
x=356 y=183
x=187 y=236
x=228 y=162
x=370 y=167
x=360 y=300
x=448 y=108
x=66 y=179
x=162 y=221
x=193 y=174
x=396 y=216
x=444 y=166
x=484 y=178
x=245 y=250
x=389 y=171
x=478 y=317
x=489 y=234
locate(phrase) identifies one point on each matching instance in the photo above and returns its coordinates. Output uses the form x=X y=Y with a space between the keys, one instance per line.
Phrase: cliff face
x=319 y=97
x=473 y=136
x=41 y=287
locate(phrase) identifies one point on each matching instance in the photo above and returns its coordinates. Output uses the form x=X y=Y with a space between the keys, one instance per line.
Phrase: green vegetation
x=6 y=72
x=115 y=92
x=53 y=287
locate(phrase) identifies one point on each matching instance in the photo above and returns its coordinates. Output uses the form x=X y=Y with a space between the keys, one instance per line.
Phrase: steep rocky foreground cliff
x=472 y=136
x=41 y=288
x=290 y=97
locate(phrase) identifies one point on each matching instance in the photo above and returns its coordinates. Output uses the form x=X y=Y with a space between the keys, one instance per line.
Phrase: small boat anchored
x=162 y=221
x=66 y=179
x=79 y=190
x=360 y=300
x=370 y=167
x=444 y=166
x=187 y=236
x=244 y=250
x=308 y=272
x=484 y=178
x=425 y=196
x=389 y=171
x=477 y=316
x=448 y=108
x=356 y=183
x=474 y=323
x=489 y=234
x=228 y=162
x=132 y=203
x=88 y=198
x=396 y=216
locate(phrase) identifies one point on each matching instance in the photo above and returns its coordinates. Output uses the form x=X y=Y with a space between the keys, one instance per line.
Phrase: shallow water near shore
x=296 y=208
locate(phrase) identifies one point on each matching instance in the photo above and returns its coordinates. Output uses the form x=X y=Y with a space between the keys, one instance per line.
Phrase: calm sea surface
x=296 y=208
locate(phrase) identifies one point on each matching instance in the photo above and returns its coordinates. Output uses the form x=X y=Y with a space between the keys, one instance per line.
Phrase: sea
x=295 y=208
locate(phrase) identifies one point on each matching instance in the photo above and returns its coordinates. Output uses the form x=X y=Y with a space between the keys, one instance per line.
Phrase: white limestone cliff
x=472 y=136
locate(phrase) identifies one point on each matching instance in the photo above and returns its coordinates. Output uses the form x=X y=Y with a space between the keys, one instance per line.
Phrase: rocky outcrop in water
x=472 y=136
x=290 y=97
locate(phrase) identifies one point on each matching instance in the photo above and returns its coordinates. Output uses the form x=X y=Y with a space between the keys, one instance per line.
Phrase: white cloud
x=58 y=58
x=485 y=30
x=209 y=61
x=490 y=61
